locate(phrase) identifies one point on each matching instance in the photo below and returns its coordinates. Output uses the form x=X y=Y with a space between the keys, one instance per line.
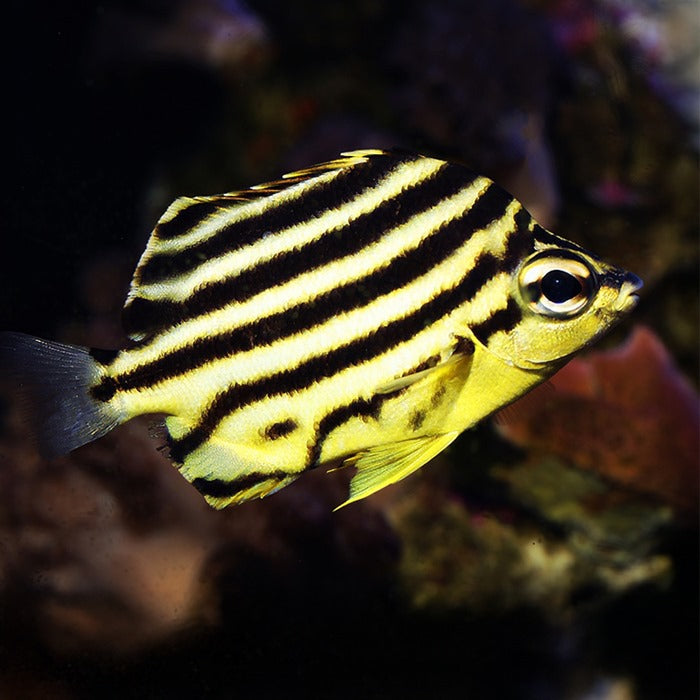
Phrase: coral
x=103 y=550
x=462 y=558
x=626 y=414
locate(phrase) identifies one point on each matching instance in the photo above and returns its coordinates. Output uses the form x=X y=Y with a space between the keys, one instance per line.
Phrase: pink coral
x=627 y=414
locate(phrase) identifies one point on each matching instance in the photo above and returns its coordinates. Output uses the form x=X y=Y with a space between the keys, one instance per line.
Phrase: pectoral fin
x=455 y=361
x=382 y=465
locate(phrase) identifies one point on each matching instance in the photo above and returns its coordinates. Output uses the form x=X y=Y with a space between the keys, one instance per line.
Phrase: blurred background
x=551 y=552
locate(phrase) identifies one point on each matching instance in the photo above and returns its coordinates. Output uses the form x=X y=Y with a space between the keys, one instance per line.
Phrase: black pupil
x=559 y=286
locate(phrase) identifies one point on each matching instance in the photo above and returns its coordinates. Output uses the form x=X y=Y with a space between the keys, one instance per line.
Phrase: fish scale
x=362 y=312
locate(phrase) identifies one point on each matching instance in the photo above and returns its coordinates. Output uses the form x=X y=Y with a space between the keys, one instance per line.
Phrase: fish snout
x=627 y=298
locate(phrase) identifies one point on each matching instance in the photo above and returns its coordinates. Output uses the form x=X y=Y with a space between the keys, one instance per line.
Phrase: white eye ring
x=557 y=286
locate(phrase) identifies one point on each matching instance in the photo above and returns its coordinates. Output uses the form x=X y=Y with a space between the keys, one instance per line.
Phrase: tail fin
x=52 y=382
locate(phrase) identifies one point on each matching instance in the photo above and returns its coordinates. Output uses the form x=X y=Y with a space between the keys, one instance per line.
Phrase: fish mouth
x=627 y=298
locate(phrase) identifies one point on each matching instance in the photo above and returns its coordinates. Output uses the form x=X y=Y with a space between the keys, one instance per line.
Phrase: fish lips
x=627 y=298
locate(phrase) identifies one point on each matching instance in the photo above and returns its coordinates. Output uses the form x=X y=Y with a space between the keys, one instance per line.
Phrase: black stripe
x=190 y=216
x=220 y=488
x=436 y=398
x=502 y=320
x=416 y=419
x=280 y=429
x=520 y=243
x=464 y=345
x=337 y=417
x=320 y=367
x=143 y=315
x=325 y=195
x=105 y=390
x=544 y=236
x=399 y=272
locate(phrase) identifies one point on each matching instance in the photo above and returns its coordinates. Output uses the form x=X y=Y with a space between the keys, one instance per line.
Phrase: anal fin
x=228 y=473
x=219 y=493
x=382 y=465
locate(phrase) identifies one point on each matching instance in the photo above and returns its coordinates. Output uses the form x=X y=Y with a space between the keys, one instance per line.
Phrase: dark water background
x=105 y=126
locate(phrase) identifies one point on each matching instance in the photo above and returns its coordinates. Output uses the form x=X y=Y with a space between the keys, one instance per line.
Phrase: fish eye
x=557 y=284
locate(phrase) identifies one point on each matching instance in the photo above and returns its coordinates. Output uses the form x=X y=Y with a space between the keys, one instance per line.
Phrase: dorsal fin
x=196 y=229
x=187 y=212
x=346 y=160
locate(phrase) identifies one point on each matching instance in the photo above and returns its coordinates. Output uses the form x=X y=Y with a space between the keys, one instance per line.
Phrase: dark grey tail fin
x=52 y=381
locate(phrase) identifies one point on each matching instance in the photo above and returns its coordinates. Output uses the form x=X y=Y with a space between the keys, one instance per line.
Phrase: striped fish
x=364 y=312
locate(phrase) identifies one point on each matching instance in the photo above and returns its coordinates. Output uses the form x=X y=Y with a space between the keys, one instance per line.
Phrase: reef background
x=508 y=568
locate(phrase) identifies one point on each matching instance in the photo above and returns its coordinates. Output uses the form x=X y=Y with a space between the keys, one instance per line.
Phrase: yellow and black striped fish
x=364 y=311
